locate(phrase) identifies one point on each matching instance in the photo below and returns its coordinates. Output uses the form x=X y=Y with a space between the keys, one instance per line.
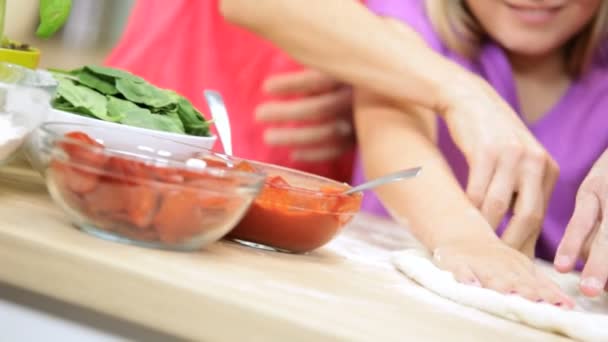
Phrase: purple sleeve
x=410 y=12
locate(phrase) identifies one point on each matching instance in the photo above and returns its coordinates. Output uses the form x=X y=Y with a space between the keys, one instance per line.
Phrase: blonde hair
x=462 y=33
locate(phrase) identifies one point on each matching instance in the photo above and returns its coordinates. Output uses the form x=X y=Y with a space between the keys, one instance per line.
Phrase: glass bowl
x=296 y=212
x=25 y=97
x=136 y=193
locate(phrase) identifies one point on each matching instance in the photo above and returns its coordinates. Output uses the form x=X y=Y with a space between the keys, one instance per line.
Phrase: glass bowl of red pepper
x=296 y=212
x=143 y=195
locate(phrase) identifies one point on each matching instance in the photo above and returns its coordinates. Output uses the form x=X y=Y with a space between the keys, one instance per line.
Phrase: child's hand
x=324 y=105
x=494 y=265
x=587 y=233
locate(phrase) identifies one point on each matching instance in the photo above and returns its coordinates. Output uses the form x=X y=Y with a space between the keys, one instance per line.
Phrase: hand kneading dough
x=578 y=324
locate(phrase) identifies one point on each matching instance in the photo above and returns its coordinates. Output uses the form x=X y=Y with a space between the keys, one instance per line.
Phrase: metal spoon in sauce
x=391 y=177
x=220 y=119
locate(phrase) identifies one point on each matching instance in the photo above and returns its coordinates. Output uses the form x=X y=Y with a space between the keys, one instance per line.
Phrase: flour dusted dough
x=579 y=323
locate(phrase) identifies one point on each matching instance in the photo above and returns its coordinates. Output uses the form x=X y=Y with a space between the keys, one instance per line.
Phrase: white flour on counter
x=11 y=136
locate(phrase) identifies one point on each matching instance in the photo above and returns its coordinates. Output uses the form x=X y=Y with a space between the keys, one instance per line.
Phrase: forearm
x=347 y=41
x=434 y=205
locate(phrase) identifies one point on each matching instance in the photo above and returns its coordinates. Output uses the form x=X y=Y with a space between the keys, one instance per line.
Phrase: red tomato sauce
x=296 y=220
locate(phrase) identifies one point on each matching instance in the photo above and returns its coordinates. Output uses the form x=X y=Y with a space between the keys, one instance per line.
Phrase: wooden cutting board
x=346 y=291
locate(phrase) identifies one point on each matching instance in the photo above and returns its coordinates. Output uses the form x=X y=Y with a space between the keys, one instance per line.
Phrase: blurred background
x=92 y=29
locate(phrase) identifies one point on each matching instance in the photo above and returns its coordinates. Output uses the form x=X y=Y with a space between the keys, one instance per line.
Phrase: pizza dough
x=587 y=322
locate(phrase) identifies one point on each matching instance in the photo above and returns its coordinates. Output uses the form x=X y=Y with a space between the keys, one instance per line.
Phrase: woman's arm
x=438 y=211
x=347 y=41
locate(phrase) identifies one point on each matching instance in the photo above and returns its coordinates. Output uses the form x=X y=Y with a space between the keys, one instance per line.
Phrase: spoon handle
x=391 y=177
x=220 y=118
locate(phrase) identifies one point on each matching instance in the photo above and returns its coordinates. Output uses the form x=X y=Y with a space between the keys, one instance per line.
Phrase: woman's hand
x=491 y=264
x=323 y=107
x=508 y=168
x=587 y=232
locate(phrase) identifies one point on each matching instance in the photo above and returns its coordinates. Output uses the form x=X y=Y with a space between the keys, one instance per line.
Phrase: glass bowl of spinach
x=115 y=98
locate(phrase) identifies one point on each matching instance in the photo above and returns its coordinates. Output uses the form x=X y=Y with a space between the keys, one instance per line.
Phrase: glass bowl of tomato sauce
x=160 y=196
x=296 y=212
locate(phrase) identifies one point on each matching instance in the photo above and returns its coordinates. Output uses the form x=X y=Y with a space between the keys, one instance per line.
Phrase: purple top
x=574 y=131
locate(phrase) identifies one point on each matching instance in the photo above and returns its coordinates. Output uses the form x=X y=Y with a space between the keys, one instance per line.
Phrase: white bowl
x=121 y=135
x=61 y=116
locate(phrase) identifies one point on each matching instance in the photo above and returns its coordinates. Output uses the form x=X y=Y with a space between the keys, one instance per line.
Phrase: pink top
x=187 y=46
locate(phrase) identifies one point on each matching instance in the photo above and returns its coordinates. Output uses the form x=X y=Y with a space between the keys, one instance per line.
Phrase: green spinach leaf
x=62 y=104
x=91 y=80
x=145 y=119
x=193 y=120
x=123 y=108
x=140 y=91
x=119 y=96
x=84 y=99
x=109 y=72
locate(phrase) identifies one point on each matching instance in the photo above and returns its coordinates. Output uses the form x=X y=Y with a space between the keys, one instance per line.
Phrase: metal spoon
x=220 y=118
x=391 y=177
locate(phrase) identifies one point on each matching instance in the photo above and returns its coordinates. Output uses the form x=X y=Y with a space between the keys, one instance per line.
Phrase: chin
x=531 y=45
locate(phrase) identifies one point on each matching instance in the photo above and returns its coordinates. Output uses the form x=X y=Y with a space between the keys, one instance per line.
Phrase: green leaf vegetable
x=62 y=104
x=139 y=91
x=154 y=121
x=133 y=115
x=118 y=96
x=85 y=100
x=194 y=123
x=92 y=81
x=53 y=14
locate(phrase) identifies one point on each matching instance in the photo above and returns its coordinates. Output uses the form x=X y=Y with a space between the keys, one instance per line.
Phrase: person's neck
x=545 y=68
x=540 y=82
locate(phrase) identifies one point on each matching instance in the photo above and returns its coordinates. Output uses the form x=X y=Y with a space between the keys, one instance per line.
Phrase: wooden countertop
x=346 y=291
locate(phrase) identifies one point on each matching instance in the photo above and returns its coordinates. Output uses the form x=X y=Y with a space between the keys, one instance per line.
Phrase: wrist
x=468 y=227
x=455 y=85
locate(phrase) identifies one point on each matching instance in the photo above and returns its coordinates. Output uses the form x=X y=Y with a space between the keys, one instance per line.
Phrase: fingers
x=480 y=175
x=529 y=247
x=525 y=283
x=549 y=289
x=318 y=143
x=310 y=108
x=586 y=212
x=465 y=275
x=502 y=269
x=595 y=273
x=319 y=154
x=530 y=205
x=500 y=190
x=586 y=250
x=549 y=180
x=337 y=130
x=304 y=82
x=461 y=272
x=324 y=108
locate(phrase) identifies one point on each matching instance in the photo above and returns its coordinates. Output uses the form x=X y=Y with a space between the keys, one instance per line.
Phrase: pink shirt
x=187 y=46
